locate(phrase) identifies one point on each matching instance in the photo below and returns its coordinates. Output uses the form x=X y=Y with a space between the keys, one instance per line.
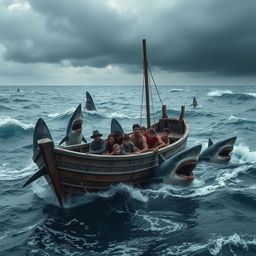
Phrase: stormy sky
x=97 y=42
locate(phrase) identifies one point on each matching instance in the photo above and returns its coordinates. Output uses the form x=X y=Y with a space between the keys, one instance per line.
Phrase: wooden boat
x=72 y=171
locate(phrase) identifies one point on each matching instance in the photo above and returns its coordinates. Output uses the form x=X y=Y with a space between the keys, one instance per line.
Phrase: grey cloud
x=183 y=36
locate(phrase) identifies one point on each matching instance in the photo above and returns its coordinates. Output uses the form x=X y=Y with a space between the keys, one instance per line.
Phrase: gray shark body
x=41 y=131
x=179 y=168
x=218 y=152
x=194 y=104
x=89 y=105
x=74 y=128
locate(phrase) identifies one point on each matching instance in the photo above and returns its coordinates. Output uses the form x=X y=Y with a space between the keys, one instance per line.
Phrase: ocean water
x=215 y=215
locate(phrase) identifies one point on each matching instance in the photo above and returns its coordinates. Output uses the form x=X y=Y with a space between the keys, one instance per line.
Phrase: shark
x=194 y=104
x=89 y=105
x=41 y=131
x=116 y=126
x=74 y=128
x=218 y=152
x=179 y=168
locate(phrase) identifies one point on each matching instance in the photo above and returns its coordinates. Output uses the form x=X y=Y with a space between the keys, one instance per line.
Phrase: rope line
x=142 y=99
x=155 y=84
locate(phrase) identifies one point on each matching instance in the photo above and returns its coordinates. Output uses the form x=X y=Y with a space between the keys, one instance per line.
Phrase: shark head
x=180 y=167
x=74 y=128
x=41 y=131
x=218 y=152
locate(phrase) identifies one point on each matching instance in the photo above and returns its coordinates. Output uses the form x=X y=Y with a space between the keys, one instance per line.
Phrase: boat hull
x=72 y=171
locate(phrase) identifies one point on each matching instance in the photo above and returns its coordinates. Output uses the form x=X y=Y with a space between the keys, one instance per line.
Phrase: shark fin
x=161 y=159
x=83 y=139
x=210 y=143
x=35 y=176
x=64 y=139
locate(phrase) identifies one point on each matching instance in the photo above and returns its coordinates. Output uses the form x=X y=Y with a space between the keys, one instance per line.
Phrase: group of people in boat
x=140 y=141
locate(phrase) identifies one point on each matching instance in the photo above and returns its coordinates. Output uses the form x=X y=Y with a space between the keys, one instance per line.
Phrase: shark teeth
x=224 y=153
x=77 y=126
x=185 y=169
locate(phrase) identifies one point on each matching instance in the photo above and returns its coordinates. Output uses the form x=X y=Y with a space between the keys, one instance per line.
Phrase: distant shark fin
x=210 y=142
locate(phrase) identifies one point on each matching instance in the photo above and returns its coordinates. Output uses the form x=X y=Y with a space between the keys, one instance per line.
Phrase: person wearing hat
x=118 y=137
x=98 y=145
x=128 y=147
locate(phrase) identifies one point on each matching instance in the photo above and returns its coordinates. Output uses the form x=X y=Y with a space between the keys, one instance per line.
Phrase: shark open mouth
x=224 y=153
x=77 y=126
x=185 y=170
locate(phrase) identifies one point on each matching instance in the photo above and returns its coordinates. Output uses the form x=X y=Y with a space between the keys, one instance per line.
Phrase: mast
x=145 y=65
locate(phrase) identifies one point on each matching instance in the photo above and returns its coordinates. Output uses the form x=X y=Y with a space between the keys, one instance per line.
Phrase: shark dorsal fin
x=161 y=159
x=210 y=142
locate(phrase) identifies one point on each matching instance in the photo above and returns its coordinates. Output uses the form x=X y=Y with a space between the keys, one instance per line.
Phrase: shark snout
x=230 y=141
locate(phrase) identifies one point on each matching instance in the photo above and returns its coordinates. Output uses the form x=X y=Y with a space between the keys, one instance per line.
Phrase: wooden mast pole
x=145 y=64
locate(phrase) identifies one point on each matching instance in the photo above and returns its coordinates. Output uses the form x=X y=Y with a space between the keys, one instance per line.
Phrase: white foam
x=8 y=173
x=242 y=154
x=121 y=115
x=218 y=93
x=90 y=197
x=251 y=94
x=14 y=232
x=214 y=245
x=234 y=240
x=178 y=90
x=67 y=112
x=122 y=249
x=158 y=223
x=7 y=121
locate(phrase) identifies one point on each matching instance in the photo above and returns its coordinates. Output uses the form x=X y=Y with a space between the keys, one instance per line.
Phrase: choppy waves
x=10 y=127
x=229 y=94
x=8 y=172
x=67 y=114
x=178 y=90
x=222 y=245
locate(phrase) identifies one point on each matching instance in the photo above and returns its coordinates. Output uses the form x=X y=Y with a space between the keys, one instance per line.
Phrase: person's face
x=116 y=151
x=118 y=137
x=126 y=142
x=111 y=140
x=151 y=135
x=143 y=132
x=97 y=138
x=136 y=130
x=166 y=134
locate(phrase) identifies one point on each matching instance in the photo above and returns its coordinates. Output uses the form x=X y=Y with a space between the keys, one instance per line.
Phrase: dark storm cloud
x=183 y=36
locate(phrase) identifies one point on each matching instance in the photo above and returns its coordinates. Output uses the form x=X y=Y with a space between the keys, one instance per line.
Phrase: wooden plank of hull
x=85 y=183
x=77 y=178
x=102 y=167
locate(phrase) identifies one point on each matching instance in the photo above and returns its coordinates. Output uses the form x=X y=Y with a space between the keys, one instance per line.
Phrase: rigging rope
x=155 y=84
x=153 y=109
x=142 y=97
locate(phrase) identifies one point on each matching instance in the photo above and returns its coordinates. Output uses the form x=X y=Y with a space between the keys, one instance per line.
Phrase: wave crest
x=67 y=114
x=10 y=127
